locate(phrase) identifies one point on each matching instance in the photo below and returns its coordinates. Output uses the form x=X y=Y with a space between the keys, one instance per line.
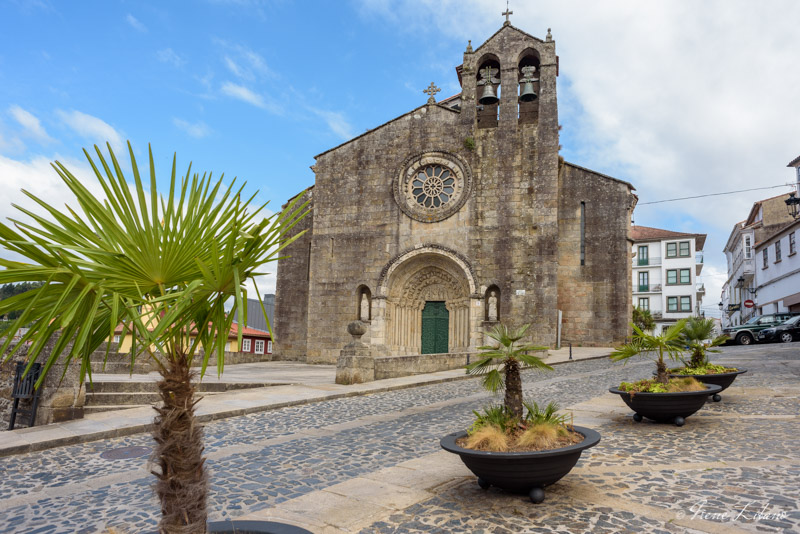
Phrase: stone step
x=127 y=386
x=126 y=398
x=110 y=407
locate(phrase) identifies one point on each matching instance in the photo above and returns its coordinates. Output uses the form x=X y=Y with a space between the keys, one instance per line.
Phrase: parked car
x=746 y=334
x=786 y=332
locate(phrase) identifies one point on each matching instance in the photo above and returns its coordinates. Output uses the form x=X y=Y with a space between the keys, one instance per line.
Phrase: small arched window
x=529 y=86
x=488 y=91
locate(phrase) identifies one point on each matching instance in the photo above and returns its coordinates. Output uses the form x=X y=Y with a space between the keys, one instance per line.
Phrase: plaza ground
x=372 y=463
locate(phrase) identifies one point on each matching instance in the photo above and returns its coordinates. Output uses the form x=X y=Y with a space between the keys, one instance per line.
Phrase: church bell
x=488 y=96
x=528 y=93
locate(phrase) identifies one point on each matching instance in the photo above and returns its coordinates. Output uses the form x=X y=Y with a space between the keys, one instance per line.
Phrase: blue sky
x=677 y=97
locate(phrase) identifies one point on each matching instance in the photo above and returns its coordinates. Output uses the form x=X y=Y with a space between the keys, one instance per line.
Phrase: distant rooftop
x=646 y=233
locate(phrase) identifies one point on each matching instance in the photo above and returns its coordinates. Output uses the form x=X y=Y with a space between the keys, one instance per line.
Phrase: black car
x=786 y=332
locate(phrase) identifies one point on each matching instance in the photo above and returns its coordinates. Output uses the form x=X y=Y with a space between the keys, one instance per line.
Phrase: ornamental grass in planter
x=661 y=398
x=695 y=335
x=517 y=446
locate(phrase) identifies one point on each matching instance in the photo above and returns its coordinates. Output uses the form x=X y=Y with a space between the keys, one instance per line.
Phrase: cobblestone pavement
x=730 y=462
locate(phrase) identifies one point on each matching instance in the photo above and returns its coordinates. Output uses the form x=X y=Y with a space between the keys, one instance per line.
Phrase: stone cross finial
x=507 y=14
x=431 y=90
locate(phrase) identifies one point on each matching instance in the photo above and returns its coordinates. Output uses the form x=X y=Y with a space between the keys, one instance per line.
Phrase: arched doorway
x=427 y=304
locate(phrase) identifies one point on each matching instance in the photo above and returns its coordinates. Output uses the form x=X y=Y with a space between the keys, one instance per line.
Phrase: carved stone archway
x=420 y=276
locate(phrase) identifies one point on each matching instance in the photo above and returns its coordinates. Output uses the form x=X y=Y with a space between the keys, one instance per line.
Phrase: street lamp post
x=793 y=205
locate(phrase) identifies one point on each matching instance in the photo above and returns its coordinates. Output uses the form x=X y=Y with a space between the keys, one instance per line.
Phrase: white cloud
x=95 y=130
x=30 y=124
x=135 y=24
x=36 y=176
x=337 y=122
x=197 y=129
x=244 y=94
x=243 y=62
x=168 y=55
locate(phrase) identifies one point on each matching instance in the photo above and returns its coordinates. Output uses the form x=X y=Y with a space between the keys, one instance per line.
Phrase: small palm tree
x=501 y=364
x=696 y=331
x=163 y=267
x=669 y=342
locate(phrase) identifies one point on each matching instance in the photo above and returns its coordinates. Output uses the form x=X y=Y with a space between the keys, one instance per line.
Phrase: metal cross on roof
x=430 y=91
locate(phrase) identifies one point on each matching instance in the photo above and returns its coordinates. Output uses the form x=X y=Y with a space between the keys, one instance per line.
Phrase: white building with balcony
x=739 y=286
x=762 y=272
x=666 y=265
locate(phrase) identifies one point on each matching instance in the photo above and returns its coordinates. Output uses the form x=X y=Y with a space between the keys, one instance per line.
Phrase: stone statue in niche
x=493 y=306
x=364 y=307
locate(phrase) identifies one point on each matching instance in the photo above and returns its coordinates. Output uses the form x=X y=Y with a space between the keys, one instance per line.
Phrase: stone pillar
x=355 y=364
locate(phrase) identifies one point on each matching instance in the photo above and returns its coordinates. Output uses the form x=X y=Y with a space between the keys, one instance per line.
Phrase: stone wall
x=61 y=399
x=595 y=298
x=291 y=295
x=397 y=366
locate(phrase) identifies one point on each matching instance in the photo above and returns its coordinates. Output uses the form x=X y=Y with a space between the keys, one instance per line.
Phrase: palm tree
x=696 y=331
x=163 y=267
x=669 y=342
x=501 y=365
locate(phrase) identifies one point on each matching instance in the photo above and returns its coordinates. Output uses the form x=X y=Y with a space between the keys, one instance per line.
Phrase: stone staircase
x=121 y=395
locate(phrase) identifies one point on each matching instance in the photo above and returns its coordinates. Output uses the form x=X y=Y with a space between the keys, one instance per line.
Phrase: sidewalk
x=296 y=384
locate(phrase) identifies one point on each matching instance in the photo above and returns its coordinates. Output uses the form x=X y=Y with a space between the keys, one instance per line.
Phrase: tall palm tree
x=501 y=364
x=668 y=342
x=695 y=334
x=164 y=267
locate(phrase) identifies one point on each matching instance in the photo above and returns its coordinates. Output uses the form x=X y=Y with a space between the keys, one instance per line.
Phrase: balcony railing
x=701 y=288
x=698 y=258
x=647 y=288
x=646 y=262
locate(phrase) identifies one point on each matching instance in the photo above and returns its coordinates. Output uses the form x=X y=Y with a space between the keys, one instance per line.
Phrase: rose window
x=433 y=186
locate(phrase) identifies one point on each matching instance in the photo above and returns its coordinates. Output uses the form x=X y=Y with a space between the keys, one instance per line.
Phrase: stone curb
x=17 y=444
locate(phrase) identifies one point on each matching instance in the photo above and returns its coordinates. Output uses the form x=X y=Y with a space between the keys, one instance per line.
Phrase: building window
x=686 y=276
x=686 y=304
x=643 y=256
x=672 y=276
x=116 y=339
x=684 y=248
x=777 y=251
x=583 y=233
x=269 y=347
x=672 y=250
x=748 y=248
x=644 y=303
x=644 y=278
x=672 y=304
x=259 y=346
x=792 y=248
x=765 y=256
x=246 y=345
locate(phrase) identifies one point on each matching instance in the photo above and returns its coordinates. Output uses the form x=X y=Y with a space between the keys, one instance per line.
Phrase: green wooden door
x=435 y=322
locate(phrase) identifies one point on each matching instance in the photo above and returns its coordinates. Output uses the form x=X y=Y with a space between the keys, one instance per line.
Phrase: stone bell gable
x=436 y=225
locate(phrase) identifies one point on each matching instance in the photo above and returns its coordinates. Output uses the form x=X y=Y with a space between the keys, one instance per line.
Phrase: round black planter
x=523 y=472
x=722 y=380
x=666 y=407
x=253 y=527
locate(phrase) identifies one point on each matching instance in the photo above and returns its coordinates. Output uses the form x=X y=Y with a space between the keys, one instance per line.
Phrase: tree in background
x=10 y=290
x=643 y=319
x=162 y=266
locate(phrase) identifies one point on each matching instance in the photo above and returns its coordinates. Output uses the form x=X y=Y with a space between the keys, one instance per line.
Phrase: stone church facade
x=438 y=224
